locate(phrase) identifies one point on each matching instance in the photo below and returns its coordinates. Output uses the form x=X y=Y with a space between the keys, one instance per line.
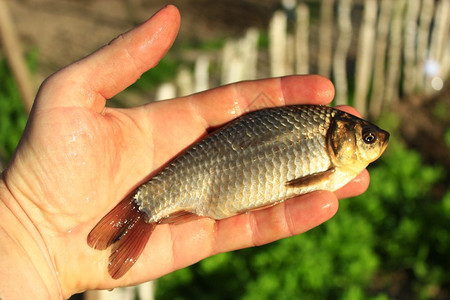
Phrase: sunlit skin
x=77 y=159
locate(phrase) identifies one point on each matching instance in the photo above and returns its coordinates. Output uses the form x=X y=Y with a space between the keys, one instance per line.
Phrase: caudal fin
x=125 y=228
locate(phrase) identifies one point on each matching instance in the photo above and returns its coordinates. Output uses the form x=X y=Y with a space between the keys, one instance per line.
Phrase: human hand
x=77 y=159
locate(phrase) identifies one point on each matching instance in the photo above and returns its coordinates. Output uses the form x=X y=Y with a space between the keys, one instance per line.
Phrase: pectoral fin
x=311 y=179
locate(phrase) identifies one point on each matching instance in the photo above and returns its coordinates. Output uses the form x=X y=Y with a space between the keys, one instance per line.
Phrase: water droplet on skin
x=326 y=206
x=152 y=39
x=235 y=110
x=200 y=235
x=357 y=180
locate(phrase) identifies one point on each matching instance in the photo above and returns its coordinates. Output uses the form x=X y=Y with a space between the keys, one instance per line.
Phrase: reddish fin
x=129 y=247
x=125 y=228
x=111 y=227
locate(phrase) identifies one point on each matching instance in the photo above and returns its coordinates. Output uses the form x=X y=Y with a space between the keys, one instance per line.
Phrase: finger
x=117 y=65
x=190 y=242
x=220 y=105
x=120 y=63
x=294 y=216
x=246 y=96
x=355 y=187
x=349 y=109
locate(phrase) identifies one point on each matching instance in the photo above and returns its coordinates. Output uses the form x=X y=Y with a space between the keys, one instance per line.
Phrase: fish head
x=354 y=143
x=371 y=142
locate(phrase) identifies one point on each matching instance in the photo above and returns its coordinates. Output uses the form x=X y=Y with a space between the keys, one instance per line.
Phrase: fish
x=256 y=161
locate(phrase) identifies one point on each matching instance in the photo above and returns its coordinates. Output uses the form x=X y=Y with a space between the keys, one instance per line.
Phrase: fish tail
x=125 y=228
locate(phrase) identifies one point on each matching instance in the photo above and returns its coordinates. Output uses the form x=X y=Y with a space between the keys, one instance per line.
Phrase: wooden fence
x=375 y=51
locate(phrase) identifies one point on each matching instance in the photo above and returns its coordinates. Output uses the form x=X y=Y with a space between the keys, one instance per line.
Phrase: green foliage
x=215 y=44
x=12 y=113
x=399 y=226
x=447 y=137
x=163 y=72
x=410 y=219
x=167 y=68
x=263 y=41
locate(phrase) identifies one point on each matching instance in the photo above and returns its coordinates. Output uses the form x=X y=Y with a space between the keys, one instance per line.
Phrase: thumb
x=112 y=68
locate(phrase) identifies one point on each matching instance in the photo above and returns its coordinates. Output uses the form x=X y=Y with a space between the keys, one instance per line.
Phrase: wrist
x=25 y=266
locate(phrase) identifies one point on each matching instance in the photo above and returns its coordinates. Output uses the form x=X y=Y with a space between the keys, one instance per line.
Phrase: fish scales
x=242 y=166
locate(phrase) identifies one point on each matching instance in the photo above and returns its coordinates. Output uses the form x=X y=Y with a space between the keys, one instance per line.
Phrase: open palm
x=77 y=159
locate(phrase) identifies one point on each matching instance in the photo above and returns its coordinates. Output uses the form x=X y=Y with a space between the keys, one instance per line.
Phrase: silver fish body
x=247 y=164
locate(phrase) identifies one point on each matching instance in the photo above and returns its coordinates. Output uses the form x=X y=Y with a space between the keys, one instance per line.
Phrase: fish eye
x=368 y=136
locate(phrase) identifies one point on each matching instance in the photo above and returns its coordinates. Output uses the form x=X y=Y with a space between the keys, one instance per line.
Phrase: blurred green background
x=393 y=242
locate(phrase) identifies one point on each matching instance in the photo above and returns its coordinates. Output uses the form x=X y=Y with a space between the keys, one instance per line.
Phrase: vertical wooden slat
x=126 y=293
x=240 y=58
x=166 y=91
x=302 y=40
x=409 y=49
x=340 y=56
x=232 y=62
x=379 y=68
x=227 y=64
x=250 y=53
x=364 y=58
x=290 y=54
x=201 y=74
x=439 y=37
x=325 y=57
x=277 y=44
x=146 y=290
x=426 y=14
x=394 y=54
x=439 y=34
x=184 y=81
x=446 y=62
